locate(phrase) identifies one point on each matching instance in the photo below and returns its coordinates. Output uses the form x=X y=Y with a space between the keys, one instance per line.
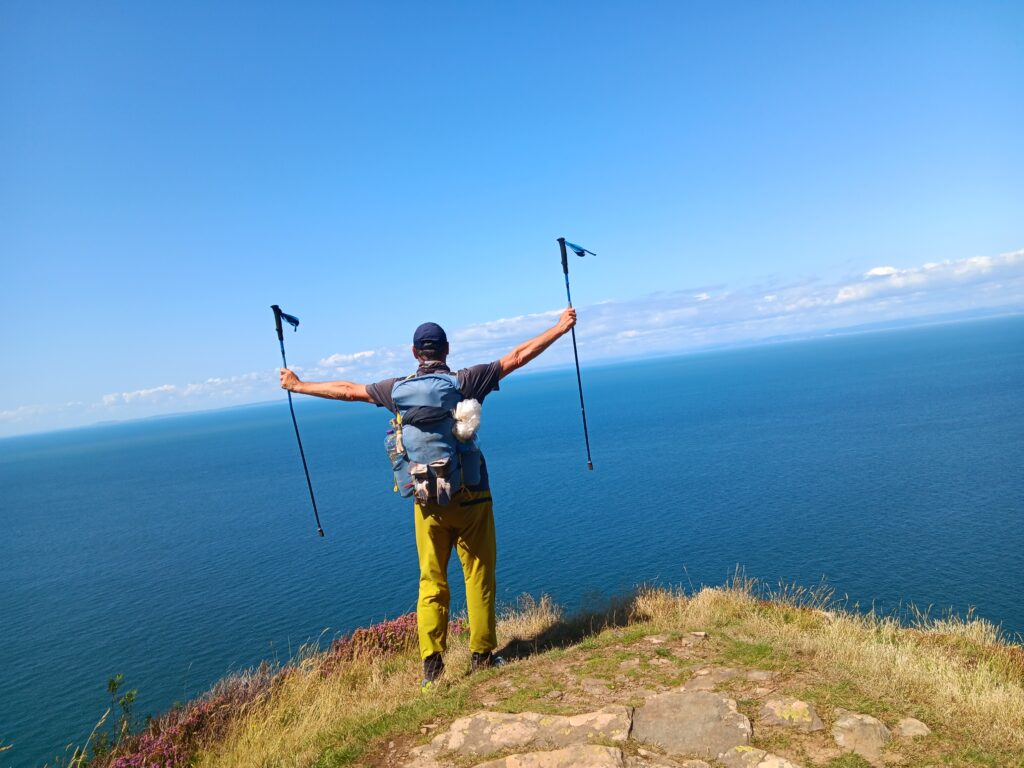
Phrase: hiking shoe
x=433 y=666
x=485 y=661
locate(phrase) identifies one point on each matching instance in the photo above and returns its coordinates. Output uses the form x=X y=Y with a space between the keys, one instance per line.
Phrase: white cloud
x=226 y=387
x=117 y=398
x=338 y=359
x=887 y=281
x=500 y=328
x=28 y=414
x=661 y=323
x=218 y=390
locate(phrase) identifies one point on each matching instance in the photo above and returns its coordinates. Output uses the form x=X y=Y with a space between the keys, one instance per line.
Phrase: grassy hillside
x=359 y=702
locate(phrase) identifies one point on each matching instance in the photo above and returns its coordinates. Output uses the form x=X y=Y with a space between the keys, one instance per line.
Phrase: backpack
x=426 y=457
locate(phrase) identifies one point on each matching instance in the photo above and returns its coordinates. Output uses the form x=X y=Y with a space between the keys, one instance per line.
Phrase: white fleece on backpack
x=467 y=420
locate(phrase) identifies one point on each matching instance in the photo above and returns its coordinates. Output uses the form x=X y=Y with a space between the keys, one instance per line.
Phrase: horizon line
x=861 y=329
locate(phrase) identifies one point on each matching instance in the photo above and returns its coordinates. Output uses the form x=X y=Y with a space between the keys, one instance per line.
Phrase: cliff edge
x=724 y=678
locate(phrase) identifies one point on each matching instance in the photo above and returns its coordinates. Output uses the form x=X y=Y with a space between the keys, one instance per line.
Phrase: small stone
x=554 y=695
x=707 y=678
x=629 y=664
x=391 y=746
x=691 y=722
x=660 y=661
x=792 y=713
x=699 y=635
x=760 y=676
x=658 y=639
x=911 y=728
x=594 y=687
x=861 y=734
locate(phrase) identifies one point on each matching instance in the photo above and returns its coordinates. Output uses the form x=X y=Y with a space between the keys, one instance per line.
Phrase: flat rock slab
x=708 y=679
x=791 y=713
x=911 y=728
x=484 y=733
x=658 y=761
x=862 y=734
x=576 y=756
x=647 y=759
x=749 y=757
x=691 y=722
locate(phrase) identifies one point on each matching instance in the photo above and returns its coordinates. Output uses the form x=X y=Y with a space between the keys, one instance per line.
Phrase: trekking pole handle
x=565 y=258
x=277 y=320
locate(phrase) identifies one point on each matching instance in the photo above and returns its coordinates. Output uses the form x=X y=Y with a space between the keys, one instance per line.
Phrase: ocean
x=177 y=550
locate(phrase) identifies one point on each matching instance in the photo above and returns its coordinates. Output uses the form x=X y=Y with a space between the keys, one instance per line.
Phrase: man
x=453 y=505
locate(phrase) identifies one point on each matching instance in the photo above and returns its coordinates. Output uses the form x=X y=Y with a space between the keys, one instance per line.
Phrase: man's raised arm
x=528 y=350
x=332 y=390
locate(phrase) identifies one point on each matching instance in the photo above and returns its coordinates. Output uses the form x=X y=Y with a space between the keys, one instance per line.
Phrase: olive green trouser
x=467 y=523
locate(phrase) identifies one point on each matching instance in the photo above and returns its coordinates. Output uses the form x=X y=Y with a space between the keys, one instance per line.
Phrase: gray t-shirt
x=475 y=383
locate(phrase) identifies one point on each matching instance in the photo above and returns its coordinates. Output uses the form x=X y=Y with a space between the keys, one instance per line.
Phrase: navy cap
x=429 y=336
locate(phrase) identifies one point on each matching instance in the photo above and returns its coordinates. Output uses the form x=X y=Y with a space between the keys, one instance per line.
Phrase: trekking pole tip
x=590 y=466
x=320 y=531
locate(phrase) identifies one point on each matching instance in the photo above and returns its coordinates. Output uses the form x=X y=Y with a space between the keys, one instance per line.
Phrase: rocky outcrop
x=486 y=733
x=568 y=757
x=669 y=730
x=683 y=723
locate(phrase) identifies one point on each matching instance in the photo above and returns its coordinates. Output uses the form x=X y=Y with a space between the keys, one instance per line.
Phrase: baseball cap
x=429 y=336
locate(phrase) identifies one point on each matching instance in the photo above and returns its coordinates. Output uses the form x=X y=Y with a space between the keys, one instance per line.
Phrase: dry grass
x=956 y=674
x=313 y=712
x=327 y=718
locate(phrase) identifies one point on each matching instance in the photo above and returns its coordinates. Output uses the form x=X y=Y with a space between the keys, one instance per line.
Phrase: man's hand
x=528 y=350
x=289 y=380
x=566 y=321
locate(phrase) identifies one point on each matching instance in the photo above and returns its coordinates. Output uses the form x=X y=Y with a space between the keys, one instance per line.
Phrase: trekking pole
x=294 y=322
x=579 y=381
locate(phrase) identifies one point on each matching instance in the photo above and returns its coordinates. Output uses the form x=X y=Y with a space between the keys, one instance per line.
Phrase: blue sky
x=744 y=171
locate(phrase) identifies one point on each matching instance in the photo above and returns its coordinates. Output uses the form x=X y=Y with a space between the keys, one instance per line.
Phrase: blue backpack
x=426 y=457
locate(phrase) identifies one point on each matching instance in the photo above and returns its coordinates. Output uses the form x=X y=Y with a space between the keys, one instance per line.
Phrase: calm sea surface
x=180 y=549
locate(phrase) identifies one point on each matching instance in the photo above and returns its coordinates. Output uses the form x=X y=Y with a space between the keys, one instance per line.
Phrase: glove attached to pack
x=432 y=441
